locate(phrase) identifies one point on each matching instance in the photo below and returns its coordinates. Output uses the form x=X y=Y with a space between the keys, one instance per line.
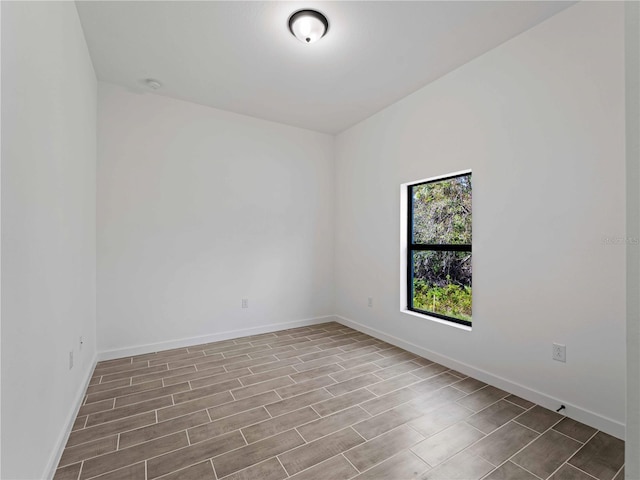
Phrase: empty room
x=271 y=240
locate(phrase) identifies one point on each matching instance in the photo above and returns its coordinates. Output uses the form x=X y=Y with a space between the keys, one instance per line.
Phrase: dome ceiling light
x=308 y=26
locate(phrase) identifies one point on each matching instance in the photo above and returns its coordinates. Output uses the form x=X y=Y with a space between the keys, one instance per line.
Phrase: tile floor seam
x=215 y=475
x=569 y=436
x=618 y=472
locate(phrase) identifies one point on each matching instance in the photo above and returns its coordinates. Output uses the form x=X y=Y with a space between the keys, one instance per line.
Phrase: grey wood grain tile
x=439 y=419
x=132 y=472
x=494 y=416
x=231 y=408
x=357 y=352
x=321 y=354
x=208 y=377
x=620 y=475
x=354 y=362
x=347 y=400
x=482 y=398
x=110 y=428
x=204 y=378
x=299 y=401
x=546 y=453
x=439 y=447
x=392 y=360
x=133 y=373
x=342 y=375
x=144 y=434
x=386 y=421
x=200 y=471
x=226 y=425
x=306 y=456
x=70 y=472
x=192 y=454
x=100 y=406
x=122 y=458
x=304 y=387
x=263 y=377
x=403 y=466
x=430 y=370
x=88 y=450
x=316 y=372
x=399 y=369
x=430 y=401
x=380 y=448
x=79 y=423
x=100 y=387
x=267 y=367
x=206 y=391
x=510 y=471
x=434 y=383
x=394 y=383
x=470 y=385
x=503 y=442
x=151 y=394
x=539 y=419
x=567 y=472
x=194 y=406
x=390 y=400
x=332 y=423
x=250 y=391
x=279 y=424
x=602 y=456
x=267 y=470
x=165 y=375
x=128 y=411
x=463 y=466
x=336 y=468
x=521 y=402
x=104 y=394
x=256 y=452
x=576 y=430
x=353 y=384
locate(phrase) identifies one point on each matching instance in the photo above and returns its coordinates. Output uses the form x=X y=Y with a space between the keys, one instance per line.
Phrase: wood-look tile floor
x=323 y=402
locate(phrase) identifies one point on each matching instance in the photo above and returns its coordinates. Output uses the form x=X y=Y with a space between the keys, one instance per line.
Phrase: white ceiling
x=239 y=55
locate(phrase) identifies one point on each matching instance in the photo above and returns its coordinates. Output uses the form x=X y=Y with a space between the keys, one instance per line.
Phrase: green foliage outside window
x=442 y=277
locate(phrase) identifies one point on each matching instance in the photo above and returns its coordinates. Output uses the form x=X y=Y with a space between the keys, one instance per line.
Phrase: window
x=439 y=248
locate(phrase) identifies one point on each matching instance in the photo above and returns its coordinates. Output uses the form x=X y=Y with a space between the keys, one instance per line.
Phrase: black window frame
x=416 y=247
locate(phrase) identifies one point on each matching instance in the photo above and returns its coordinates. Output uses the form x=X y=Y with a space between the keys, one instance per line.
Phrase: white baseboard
x=607 y=425
x=54 y=459
x=216 y=337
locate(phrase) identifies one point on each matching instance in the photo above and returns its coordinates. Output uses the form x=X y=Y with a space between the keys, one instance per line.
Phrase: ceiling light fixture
x=308 y=26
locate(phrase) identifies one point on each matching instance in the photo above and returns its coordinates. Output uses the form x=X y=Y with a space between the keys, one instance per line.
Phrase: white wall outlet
x=245 y=303
x=81 y=342
x=70 y=359
x=559 y=352
x=370 y=302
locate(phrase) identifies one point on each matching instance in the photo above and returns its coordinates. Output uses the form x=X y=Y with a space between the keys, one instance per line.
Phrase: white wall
x=540 y=121
x=199 y=208
x=48 y=230
x=632 y=86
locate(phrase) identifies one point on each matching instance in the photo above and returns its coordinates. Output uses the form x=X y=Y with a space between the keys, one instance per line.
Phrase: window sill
x=435 y=319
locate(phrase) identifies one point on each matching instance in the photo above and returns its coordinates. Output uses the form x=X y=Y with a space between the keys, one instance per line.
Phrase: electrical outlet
x=81 y=342
x=245 y=303
x=370 y=302
x=559 y=352
x=70 y=359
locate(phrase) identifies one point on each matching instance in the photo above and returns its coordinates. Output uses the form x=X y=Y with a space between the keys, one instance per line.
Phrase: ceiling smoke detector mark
x=152 y=83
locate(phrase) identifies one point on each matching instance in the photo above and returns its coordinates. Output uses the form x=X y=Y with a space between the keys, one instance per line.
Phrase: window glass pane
x=442 y=211
x=442 y=283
